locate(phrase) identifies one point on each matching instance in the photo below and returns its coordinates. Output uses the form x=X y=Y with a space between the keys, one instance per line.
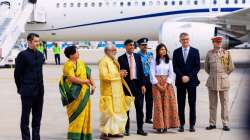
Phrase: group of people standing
x=125 y=81
x=56 y=49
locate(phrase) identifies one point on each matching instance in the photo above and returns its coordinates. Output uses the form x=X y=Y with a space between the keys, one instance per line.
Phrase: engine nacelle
x=200 y=35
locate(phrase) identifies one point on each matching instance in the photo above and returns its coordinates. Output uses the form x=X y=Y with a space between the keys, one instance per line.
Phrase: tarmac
x=55 y=121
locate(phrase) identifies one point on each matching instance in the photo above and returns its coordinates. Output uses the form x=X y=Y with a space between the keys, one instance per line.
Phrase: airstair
x=12 y=24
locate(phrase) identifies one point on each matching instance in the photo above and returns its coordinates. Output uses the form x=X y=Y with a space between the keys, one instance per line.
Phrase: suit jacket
x=28 y=73
x=190 y=68
x=218 y=72
x=124 y=65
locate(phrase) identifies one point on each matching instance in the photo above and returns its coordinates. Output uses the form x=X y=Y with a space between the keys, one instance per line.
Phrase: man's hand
x=185 y=79
x=123 y=73
x=143 y=89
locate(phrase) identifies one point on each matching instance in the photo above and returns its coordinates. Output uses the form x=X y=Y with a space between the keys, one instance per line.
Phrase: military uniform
x=146 y=59
x=218 y=65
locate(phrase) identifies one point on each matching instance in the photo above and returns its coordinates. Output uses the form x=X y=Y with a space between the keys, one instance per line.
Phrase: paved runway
x=54 y=123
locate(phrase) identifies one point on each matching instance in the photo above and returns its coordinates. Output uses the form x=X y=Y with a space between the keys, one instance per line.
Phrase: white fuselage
x=121 y=19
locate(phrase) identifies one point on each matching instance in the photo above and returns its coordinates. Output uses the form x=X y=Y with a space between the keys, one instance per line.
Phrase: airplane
x=162 y=20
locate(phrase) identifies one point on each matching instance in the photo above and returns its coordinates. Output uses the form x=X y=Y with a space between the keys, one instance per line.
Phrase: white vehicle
x=163 y=20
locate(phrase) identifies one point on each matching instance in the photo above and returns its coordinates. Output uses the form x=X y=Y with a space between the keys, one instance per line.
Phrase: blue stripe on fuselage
x=206 y=10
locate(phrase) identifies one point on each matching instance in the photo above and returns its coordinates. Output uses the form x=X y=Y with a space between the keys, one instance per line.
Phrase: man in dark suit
x=131 y=62
x=29 y=81
x=186 y=63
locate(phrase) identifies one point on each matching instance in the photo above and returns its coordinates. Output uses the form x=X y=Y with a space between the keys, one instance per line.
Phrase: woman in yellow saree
x=77 y=99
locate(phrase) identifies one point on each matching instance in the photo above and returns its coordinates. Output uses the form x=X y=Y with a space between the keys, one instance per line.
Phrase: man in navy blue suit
x=131 y=62
x=29 y=81
x=186 y=63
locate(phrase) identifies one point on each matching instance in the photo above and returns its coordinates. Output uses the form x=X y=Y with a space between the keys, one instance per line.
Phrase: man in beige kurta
x=112 y=100
x=219 y=65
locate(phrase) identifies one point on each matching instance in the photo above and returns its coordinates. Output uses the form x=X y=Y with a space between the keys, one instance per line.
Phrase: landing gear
x=33 y=1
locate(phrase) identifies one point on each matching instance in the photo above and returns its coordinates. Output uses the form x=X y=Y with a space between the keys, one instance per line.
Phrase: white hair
x=109 y=46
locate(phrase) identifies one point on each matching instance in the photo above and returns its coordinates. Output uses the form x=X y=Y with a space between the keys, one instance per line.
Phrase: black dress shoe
x=159 y=130
x=181 y=128
x=104 y=137
x=126 y=133
x=210 y=127
x=226 y=128
x=148 y=121
x=192 y=129
x=141 y=132
x=115 y=136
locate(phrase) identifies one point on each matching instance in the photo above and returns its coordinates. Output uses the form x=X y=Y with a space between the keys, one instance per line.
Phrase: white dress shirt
x=162 y=69
x=135 y=73
x=183 y=49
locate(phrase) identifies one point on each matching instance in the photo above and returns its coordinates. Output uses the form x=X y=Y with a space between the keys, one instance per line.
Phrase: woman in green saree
x=76 y=86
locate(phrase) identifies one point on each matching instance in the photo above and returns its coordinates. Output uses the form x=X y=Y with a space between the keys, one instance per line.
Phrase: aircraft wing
x=240 y=18
x=236 y=24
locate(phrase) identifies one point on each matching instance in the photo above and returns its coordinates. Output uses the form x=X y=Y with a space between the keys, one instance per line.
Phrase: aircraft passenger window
x=236 y=1
x=136 y=3
x=129 y=3
x=215 y=2
x=158 y=3
x=100 y=4
x=195 y=2
x=227 y=1
x=151 y=3
x=173 y=2
x=79 y=4
x=64 y=5
x=243 y=1
x=58 y=5
x=85 y=4
x=71 y=4
x=203 y=1
x=143 y=3
x=121 y=4
x=165 y=3
x=107 y=3
x=93 y=4
x=188 y=2
x=180 y=2
x=114 y=3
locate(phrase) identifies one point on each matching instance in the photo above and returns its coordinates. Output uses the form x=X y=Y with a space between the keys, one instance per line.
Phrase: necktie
x=132 y=67
x=185 y=54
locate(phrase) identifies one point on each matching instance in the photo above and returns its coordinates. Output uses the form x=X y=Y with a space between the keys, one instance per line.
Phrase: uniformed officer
x=218 y=65
x=146 y=58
